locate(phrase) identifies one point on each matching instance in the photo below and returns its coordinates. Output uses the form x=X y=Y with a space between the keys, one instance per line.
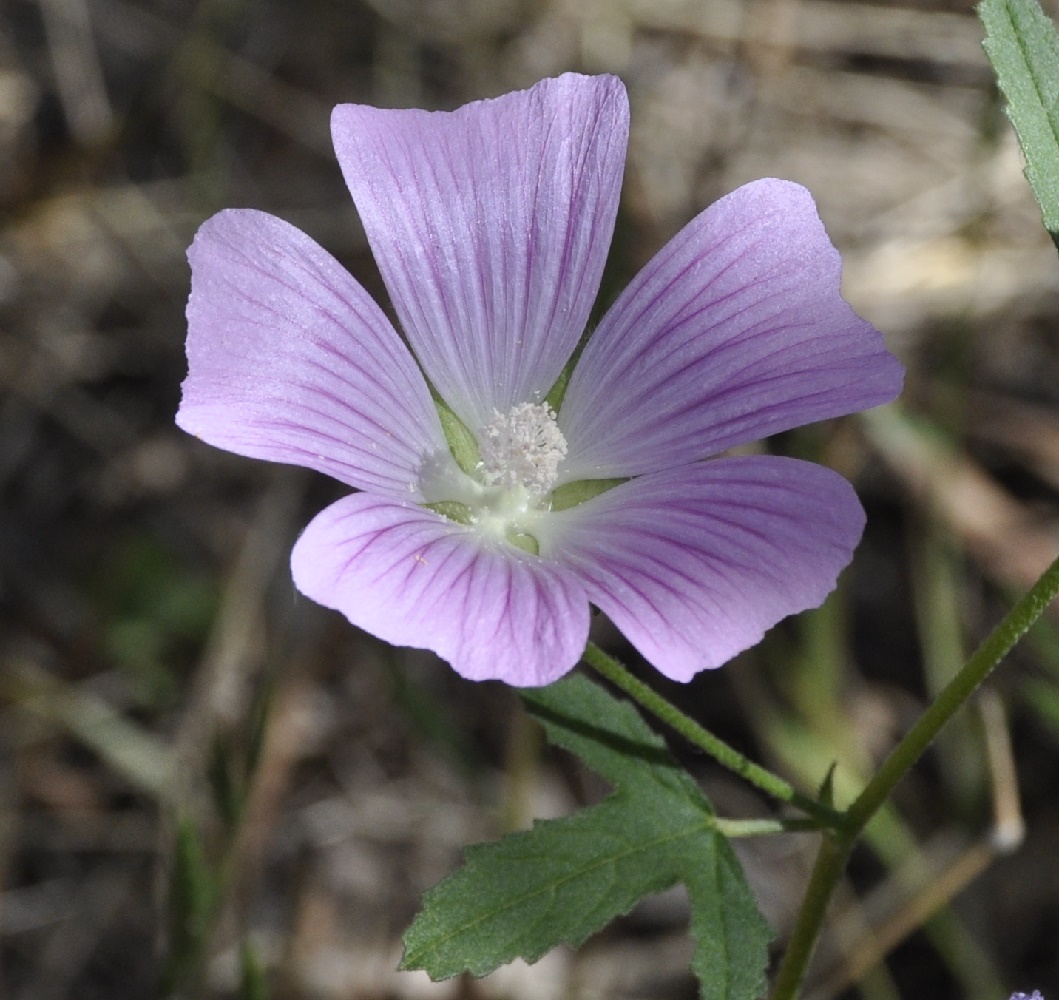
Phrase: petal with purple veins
x=735 y=330
x=694 y=564
x=491 y=225
x=290 y=360
x=412 y=578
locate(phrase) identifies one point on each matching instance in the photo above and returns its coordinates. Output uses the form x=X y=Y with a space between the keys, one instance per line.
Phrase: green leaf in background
x=253 y=985
x=565 y=879
x=193 y=893
x=1023 y=47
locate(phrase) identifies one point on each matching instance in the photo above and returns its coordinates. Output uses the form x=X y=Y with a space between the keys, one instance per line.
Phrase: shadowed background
x=148 y=621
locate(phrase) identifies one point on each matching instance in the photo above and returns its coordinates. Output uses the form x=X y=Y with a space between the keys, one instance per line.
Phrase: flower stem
x=830 y=862
x=836 y=846
x=732 y=828
x=766 y=781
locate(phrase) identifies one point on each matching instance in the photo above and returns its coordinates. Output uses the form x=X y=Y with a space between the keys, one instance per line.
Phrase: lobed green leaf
x=1023 y=47
x=564 y=879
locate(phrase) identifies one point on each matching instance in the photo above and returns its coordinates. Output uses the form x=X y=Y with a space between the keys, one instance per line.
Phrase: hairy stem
x=830 y=862
x=983 y=661
x=771 y=784
x=835 y=847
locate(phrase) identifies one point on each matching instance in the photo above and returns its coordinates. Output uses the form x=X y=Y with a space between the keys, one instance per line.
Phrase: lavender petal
x=735 y=330
x=491 y=225
x=694 y=564
x=290 y=360
x=412 y=578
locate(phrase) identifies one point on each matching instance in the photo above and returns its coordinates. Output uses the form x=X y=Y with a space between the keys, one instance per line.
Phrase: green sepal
x=557 y=392
x=462 y=442
x=524 y=541
x=571 y=494
x=554 y=399
x=453 y=510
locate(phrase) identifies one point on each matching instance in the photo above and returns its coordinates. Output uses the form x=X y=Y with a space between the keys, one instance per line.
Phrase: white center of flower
x=522 y=449
x=506 y=496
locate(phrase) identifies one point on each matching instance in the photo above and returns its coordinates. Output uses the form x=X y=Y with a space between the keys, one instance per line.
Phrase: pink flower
x=483 y=526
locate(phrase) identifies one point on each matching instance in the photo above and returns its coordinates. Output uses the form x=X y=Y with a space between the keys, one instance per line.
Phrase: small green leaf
x=253 y=984
x=565 y=879
x=1023 y=47
x=192 y=896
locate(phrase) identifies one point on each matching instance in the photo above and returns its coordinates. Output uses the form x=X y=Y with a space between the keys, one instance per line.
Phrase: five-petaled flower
x=501 y=488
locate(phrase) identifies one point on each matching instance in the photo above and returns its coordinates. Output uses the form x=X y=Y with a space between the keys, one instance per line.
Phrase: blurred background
x=207 y=782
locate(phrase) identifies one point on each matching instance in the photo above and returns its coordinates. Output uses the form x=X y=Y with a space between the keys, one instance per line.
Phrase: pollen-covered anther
x=522 y=448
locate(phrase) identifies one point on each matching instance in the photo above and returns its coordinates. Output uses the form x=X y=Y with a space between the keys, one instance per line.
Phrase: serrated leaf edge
x=667 y=880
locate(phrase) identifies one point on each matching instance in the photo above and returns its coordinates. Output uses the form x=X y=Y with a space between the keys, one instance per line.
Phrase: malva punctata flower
x=503 y=482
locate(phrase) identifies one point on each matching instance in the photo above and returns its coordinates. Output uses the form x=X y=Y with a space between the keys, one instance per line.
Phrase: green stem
x=1012 y=627
x=830 y=863
x=766 y=781
x=835 y=847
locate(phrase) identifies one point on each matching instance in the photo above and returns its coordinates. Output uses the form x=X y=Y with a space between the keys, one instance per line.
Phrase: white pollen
x=522 y=448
